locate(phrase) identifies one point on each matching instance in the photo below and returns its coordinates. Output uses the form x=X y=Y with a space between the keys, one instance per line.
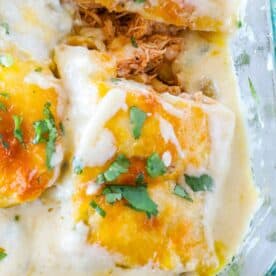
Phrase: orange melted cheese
x=188 y=14
x=176 y=235
x=23 y=171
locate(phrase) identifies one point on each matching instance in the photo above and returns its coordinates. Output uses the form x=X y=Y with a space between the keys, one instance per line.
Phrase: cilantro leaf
x=137 y=119
x=133 y=42
x=140 y=179
x=98 y=209
x=113 y=197
x=5 y=94
x=242 y=59
x=3 y=254
x=155 y=166
x=77 y=166
x=181 y=192
x=253 y=90
x=6 y=27
x=4 y=143
x=202 y=183
x=100 y=179
x=41 y=129
x=139 y=1
x=119 y=166
x=137 y=197
x=46 y=132
x=3 y=107
x=17 y=132
x=6 y=60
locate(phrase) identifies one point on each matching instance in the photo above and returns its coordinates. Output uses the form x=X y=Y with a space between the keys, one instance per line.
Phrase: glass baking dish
x=253 y=50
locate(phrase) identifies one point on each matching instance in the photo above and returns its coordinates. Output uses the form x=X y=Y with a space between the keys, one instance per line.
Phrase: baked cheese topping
x=212 y=15
x=33 y=26
x=30 y=111
x=143 y=167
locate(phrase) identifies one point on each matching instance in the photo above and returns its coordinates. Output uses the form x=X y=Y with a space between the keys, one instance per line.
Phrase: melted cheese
x=47 y=240
x=211 y=15
x=35 y=26
x=24 y=174
x=184 y=139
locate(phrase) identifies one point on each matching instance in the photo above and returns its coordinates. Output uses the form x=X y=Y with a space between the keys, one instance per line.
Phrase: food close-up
x=123 y=141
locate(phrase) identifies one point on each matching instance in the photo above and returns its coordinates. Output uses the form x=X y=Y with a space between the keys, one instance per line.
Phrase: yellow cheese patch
x=23 y=170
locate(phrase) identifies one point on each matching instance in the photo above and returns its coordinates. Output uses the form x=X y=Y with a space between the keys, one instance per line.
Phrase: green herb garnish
x=16 y=217
x=5 y=94
x=181 y=192
x=38 y=69
x=137 y=198
x=4 y=143
x=139 y=1
x=98 y=209
x=242 y=59
x=140 y=179
x=133 y=42
x=46 y=132
x=3 y=107
x=77 y=166
x=137 y=119
x=202 y=183
x=6 y=27
x=6 y=60
x=253 y=90
x=17 y=132
x=155 y=166
x=3 y=254
x=119 y=166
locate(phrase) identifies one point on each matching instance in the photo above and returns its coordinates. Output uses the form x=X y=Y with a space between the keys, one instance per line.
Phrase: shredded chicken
x=157 y=44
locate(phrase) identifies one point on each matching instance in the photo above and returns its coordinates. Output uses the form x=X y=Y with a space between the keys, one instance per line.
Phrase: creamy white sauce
x=35 y=26
x=236 y=199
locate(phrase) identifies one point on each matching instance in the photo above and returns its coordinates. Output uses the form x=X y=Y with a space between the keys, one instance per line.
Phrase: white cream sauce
x=235 y=200
x=34 y=26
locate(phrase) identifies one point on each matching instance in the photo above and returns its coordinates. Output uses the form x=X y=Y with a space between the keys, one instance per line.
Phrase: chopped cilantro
x=119 y=166
x=38 y=69
x=139 y=1
x=181 y=192
x=137 y=197
x=46 y=132
x=98 y=209
x=62 y=129
x=3 y=254
x=253 y=90
x=133 y=42
x=77 y=166
x=6 y=27
x=16 y=217
x=242 y=59
x=137 y=119
x=202 y=183
x=140 y=179
x=112 y=196
x=6 y=60
x=17 y=132
x=41 y=131
x=100 y=179
x=3 y=107
x=155 y=166
x=5 y=94
x=239 y=23
x=4 y=143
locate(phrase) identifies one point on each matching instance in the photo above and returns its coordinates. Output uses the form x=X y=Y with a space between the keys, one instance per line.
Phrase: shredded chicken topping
x=156 y=44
